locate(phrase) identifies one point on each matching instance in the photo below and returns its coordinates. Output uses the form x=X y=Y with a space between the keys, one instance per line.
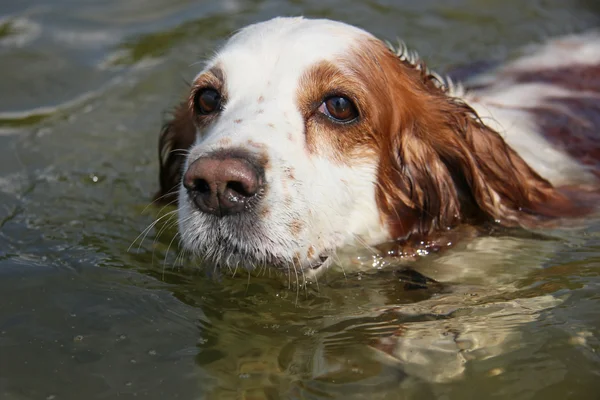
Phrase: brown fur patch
x=176 y=137
x=264 y=212
x=179 y=134
x=238 y=121
x=225 y=141
x=311 y=252
x=439 y=165
x=574 y=77
x=572 y=125
x=289 y=172
x=213 y=78
x=448 y=167
x=340 y=142
x=263 y=160
x=256 y=145
x=295 y=227
x=261 y=99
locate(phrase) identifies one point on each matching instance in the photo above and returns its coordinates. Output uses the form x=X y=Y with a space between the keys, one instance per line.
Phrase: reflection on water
x=369 y=334
x=89 y=311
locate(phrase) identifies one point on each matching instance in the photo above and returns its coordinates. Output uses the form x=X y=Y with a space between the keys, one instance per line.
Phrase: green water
x=83 y=88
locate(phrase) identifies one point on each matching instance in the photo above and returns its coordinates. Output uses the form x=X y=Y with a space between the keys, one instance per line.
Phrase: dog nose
x=223 y=184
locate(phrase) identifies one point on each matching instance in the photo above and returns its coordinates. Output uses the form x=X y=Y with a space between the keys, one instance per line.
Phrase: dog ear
x=442 y=166
x=501 y=184
x=176 y=138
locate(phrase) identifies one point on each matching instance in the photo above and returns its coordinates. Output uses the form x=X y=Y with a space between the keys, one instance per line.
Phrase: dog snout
x=224 y=183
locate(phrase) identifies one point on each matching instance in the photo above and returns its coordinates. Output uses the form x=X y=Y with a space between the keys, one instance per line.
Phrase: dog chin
x=244 y=245
x=230 y=258
x=222 y=252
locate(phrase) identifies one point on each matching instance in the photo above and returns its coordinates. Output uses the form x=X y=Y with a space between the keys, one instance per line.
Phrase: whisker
x=297 y=282
x=168 y=225
x=145 y=232
x=171 y=242
x=248 y=283
x=363 y=243
x=304 y=282
x=165 y=227
x=289 y=277
x=339 y=262
x=167 y=253
x=179 y=257
x=157 y=200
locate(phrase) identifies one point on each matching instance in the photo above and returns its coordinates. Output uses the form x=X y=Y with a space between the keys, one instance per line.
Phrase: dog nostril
x=201 y=186
x=239 y=188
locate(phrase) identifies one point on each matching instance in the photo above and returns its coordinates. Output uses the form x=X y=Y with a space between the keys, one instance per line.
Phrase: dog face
x=304 y=136
x=279 y=172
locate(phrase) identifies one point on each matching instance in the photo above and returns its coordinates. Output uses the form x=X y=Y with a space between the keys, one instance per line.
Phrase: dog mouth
x=231 y=253
x=239 y=243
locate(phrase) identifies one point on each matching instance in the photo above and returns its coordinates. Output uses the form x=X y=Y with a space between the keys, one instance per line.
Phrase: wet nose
x=223 y=184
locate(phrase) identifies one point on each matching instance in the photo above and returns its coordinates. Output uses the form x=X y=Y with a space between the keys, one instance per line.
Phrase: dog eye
x=207 y=101
x=339 y=108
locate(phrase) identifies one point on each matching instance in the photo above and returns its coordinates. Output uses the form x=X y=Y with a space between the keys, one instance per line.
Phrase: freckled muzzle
x=225 y=182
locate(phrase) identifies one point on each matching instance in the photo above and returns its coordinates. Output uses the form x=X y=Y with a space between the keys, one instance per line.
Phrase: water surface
x=83 y=315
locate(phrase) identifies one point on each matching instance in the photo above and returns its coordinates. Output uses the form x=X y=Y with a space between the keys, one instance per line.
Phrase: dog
x=301 y=137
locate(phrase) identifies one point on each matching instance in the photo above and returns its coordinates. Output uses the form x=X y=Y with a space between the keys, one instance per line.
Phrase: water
x=83 y=316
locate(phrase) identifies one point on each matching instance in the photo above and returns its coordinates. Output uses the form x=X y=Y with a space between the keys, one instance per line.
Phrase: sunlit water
x=89 y=312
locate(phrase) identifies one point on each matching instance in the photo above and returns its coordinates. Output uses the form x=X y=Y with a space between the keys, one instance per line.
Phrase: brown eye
x=339 y=108
x=207 y=101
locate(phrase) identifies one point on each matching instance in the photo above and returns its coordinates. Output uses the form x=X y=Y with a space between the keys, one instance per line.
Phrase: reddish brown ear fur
x=176 y=137
x=443 y=166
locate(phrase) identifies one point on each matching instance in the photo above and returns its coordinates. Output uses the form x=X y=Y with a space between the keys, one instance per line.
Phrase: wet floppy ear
x=415 y=189
x=500 y=184
x=176 y=137
x=446 y=167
